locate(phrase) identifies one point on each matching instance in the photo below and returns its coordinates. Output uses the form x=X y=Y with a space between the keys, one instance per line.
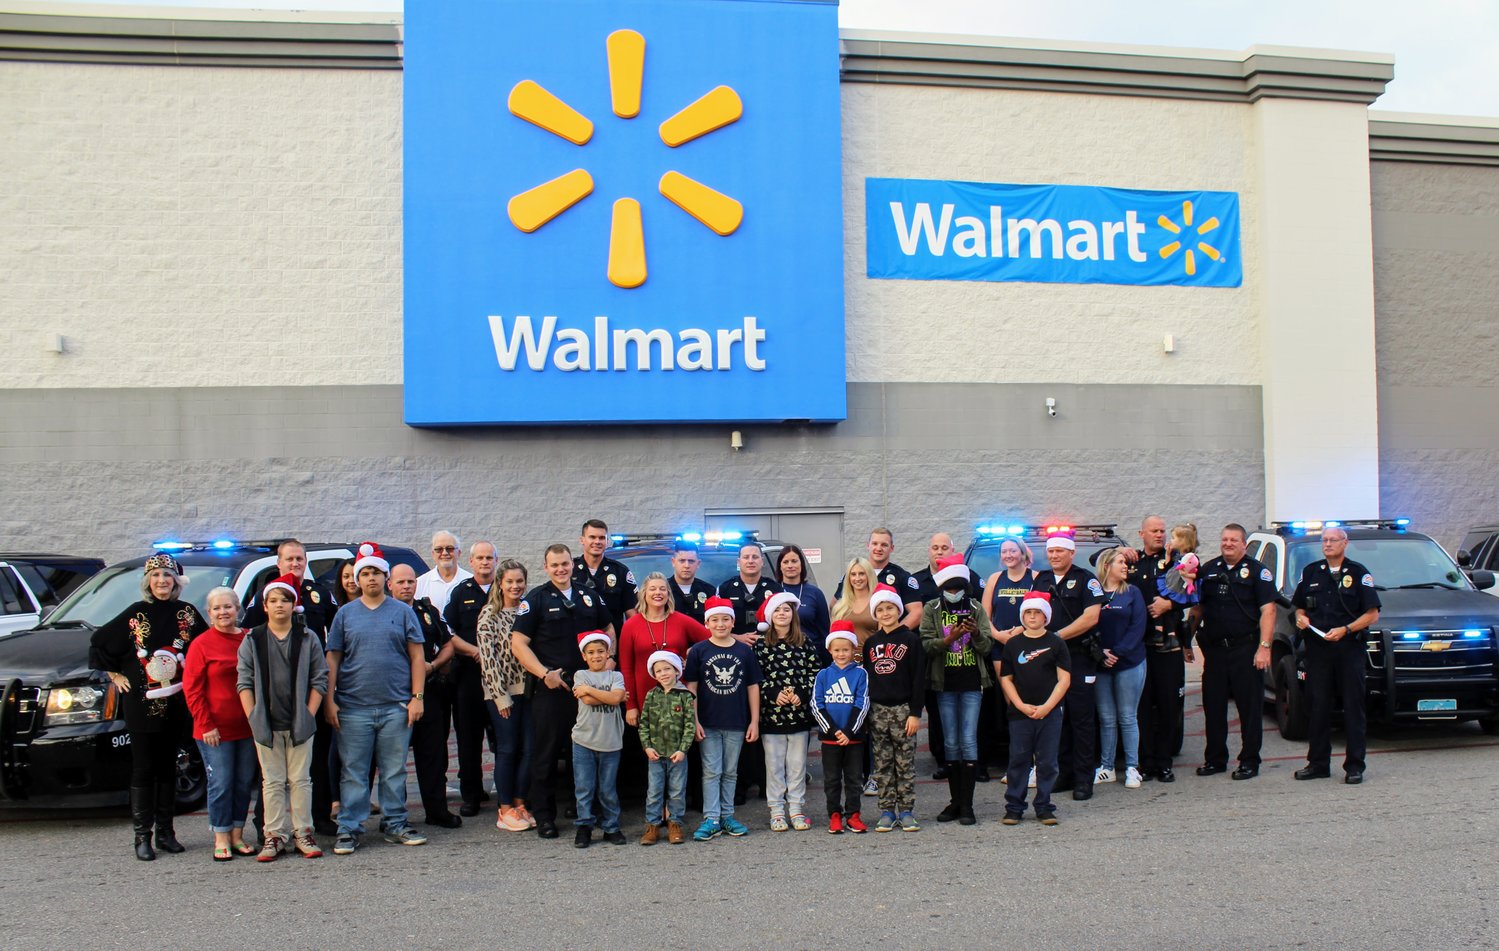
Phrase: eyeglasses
x=443 y=549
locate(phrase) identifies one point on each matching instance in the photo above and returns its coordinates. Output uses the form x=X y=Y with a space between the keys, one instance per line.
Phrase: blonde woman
x=504 y=690
x=853 y=604
x=1121 y=677
x=656 y=626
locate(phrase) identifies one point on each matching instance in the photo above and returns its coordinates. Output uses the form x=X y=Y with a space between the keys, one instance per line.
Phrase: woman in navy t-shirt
x=1121 y=679
x=1004 y=592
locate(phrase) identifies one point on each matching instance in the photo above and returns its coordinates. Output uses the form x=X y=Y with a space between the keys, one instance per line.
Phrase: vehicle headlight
x=85 y=704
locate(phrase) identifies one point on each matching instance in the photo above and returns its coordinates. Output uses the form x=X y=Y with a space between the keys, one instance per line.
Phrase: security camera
x=1051 y=406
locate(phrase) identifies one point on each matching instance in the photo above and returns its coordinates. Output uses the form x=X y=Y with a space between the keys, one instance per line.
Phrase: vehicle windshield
x=1395 y=561
x=112 y=590
x=716 y=566
x=984 y=559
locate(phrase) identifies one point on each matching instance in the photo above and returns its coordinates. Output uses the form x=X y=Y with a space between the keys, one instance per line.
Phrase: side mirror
x=1464 y=558
x=1482 y=580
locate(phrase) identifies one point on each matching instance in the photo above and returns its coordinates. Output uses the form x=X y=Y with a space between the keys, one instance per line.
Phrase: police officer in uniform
x=881 y=547
x=1236 y=623
x=470 y=709
x=429 y=735
x=1162 y=706
x=1337 y=597
x=318 y=607
x=689 y=593
x=611 y=579
x=1076 y=602
x=747 y=591
x=545 y=642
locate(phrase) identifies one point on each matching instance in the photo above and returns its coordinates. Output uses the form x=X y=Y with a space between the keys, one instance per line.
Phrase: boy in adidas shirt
x=1035 y=672
x=840 y=704
x=896 y=665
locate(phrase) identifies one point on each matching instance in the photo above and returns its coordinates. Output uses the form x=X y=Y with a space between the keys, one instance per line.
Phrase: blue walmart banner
x=1059 y=234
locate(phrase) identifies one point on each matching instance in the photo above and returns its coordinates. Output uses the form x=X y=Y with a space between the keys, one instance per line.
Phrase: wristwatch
x=418 y=696
x=1264 y=644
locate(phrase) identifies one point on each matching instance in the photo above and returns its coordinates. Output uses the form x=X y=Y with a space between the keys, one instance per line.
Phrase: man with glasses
x=437 y=584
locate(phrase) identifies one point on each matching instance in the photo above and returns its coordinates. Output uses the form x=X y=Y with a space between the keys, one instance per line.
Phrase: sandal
x=243 y=848
x=221 y=853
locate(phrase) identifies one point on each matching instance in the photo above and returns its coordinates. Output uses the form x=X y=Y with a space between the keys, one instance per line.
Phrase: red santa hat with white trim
x=589 y=637
x=950 y=568
x=1061 y=540
x=841 y=630
x=884 y=594
x=769 y=605
x=370 y=556
x=1037 y=601
x=717 y=605
x=287 y=583
x=658 y=657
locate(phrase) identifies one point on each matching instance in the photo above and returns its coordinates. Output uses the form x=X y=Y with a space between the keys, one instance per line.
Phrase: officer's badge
x=890 y=579
x=1164 y=563
x=587 y=601
x=1072 y=583
x=610 y=580
x=702 y=597
x=1348 y=581
x=316 y=598
x=1244 y=572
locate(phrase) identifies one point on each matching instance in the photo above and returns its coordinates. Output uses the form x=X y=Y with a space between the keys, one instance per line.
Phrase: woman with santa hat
x=142 y=650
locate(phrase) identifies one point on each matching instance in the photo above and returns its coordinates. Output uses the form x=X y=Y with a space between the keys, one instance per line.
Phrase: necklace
x=651 y=634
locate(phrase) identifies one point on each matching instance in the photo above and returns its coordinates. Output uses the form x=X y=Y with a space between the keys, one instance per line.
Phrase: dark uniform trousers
x=1335 y=666
x=1077 y=756
x=471 y=723
x=1229 y=671
x=429 y=745
x=1161 y=708
x=553 y=713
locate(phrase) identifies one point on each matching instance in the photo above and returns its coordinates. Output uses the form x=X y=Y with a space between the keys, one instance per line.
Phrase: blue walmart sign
x=606 y=219
x=1060 y=234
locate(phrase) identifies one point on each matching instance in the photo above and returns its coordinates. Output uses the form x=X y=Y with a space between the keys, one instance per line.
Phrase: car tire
x=192 y=777
x=1290 y=700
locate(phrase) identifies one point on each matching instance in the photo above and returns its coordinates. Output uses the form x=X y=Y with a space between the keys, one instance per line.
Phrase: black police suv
x=718 y=553
x=1431 y=656
x=63 y=740
x=982 y=554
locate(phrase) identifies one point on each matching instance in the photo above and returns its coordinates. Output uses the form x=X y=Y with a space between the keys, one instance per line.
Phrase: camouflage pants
x=894 y=757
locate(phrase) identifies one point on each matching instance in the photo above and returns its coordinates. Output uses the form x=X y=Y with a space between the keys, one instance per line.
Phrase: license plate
x=1435 y=706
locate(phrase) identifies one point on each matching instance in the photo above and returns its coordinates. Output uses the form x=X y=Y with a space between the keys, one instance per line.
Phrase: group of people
x=318 y=698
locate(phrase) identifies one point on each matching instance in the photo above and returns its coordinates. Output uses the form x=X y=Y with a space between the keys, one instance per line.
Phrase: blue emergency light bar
x=1303 y=526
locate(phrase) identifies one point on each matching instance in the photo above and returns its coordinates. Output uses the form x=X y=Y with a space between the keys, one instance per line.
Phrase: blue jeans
x=233 y=770
x=960 y=724
x=1118 y=698
x=594 y=779
x=512 y=755
x=664 y=776
x=1033 y=743
x=380 y=734
x=720 y=751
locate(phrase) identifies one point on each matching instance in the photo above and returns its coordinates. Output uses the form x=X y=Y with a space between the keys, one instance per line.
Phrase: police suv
x=62 y=734
x=718 y=553
x=1432 y=654
x=982 y=554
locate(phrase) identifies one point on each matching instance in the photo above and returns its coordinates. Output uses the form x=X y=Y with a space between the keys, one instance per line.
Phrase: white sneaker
x=1031 y=783
x=1103 y=775
x=871 y=788
x=1131 y=778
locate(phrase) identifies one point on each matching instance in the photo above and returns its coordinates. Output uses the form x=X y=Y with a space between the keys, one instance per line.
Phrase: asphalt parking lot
x=1406 y=860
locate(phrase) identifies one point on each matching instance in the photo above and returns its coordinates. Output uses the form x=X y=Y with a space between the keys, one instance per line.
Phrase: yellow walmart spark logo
x=536 y=206
x=1190 y=258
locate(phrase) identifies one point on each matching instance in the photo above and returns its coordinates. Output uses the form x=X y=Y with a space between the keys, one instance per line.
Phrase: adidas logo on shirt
x=839 y=692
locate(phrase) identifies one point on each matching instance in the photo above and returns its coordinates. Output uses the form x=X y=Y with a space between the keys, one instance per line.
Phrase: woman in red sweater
x=210 y=677
x=657 y=626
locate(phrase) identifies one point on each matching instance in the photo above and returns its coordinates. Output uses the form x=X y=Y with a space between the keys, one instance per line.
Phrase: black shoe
x=941 y=772
x=143 y=812
x=1246 y=772
x=981 y=775
x=1354 y=777
x=325 y=827
x=1146 y=775
x=1313 y=772
x=1082 y=793
x=546 y=829
x=617 y=837
x=166 y=810
x=143 y=850
x=484 y=796
x=166 y=840
x=1166 y=775
x=584 y=837
x=444 y=820
x=967 y=775
x=1210 y=770
x=470 y=807
x=1012 y=818
x=949 y=812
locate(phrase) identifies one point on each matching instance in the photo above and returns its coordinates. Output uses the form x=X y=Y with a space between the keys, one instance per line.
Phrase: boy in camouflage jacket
x=668 y=723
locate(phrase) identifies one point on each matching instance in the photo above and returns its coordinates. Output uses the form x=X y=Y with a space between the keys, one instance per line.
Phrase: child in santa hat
x=1035 y=672
x=598 y=736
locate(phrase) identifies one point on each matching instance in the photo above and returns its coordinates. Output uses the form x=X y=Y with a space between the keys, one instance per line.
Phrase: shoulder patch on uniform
x=911 y=583
x=629 y=576
x=525 y=608
x=1265 y=575
x=1368 y=581
x=1094 y=586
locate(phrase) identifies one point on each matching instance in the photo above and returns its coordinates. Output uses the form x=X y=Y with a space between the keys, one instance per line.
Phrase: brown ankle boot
x=675 y=834
x=652 y=834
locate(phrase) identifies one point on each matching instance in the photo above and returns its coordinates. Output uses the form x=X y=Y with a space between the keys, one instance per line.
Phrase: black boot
x=954 y=793
x=143 y=812
x=166 y=811
x=967 y=774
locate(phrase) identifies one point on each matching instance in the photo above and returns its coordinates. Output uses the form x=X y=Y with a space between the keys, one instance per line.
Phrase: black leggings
x=153 y=758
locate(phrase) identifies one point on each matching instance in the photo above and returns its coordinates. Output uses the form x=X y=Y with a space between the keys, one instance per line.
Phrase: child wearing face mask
x=957 y=638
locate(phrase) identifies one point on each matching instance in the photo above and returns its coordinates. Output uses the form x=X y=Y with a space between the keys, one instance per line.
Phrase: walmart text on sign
x=1059 y=234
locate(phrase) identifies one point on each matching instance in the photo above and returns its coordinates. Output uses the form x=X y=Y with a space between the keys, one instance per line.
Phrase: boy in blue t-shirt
x=840 y=705
x=724 y=676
